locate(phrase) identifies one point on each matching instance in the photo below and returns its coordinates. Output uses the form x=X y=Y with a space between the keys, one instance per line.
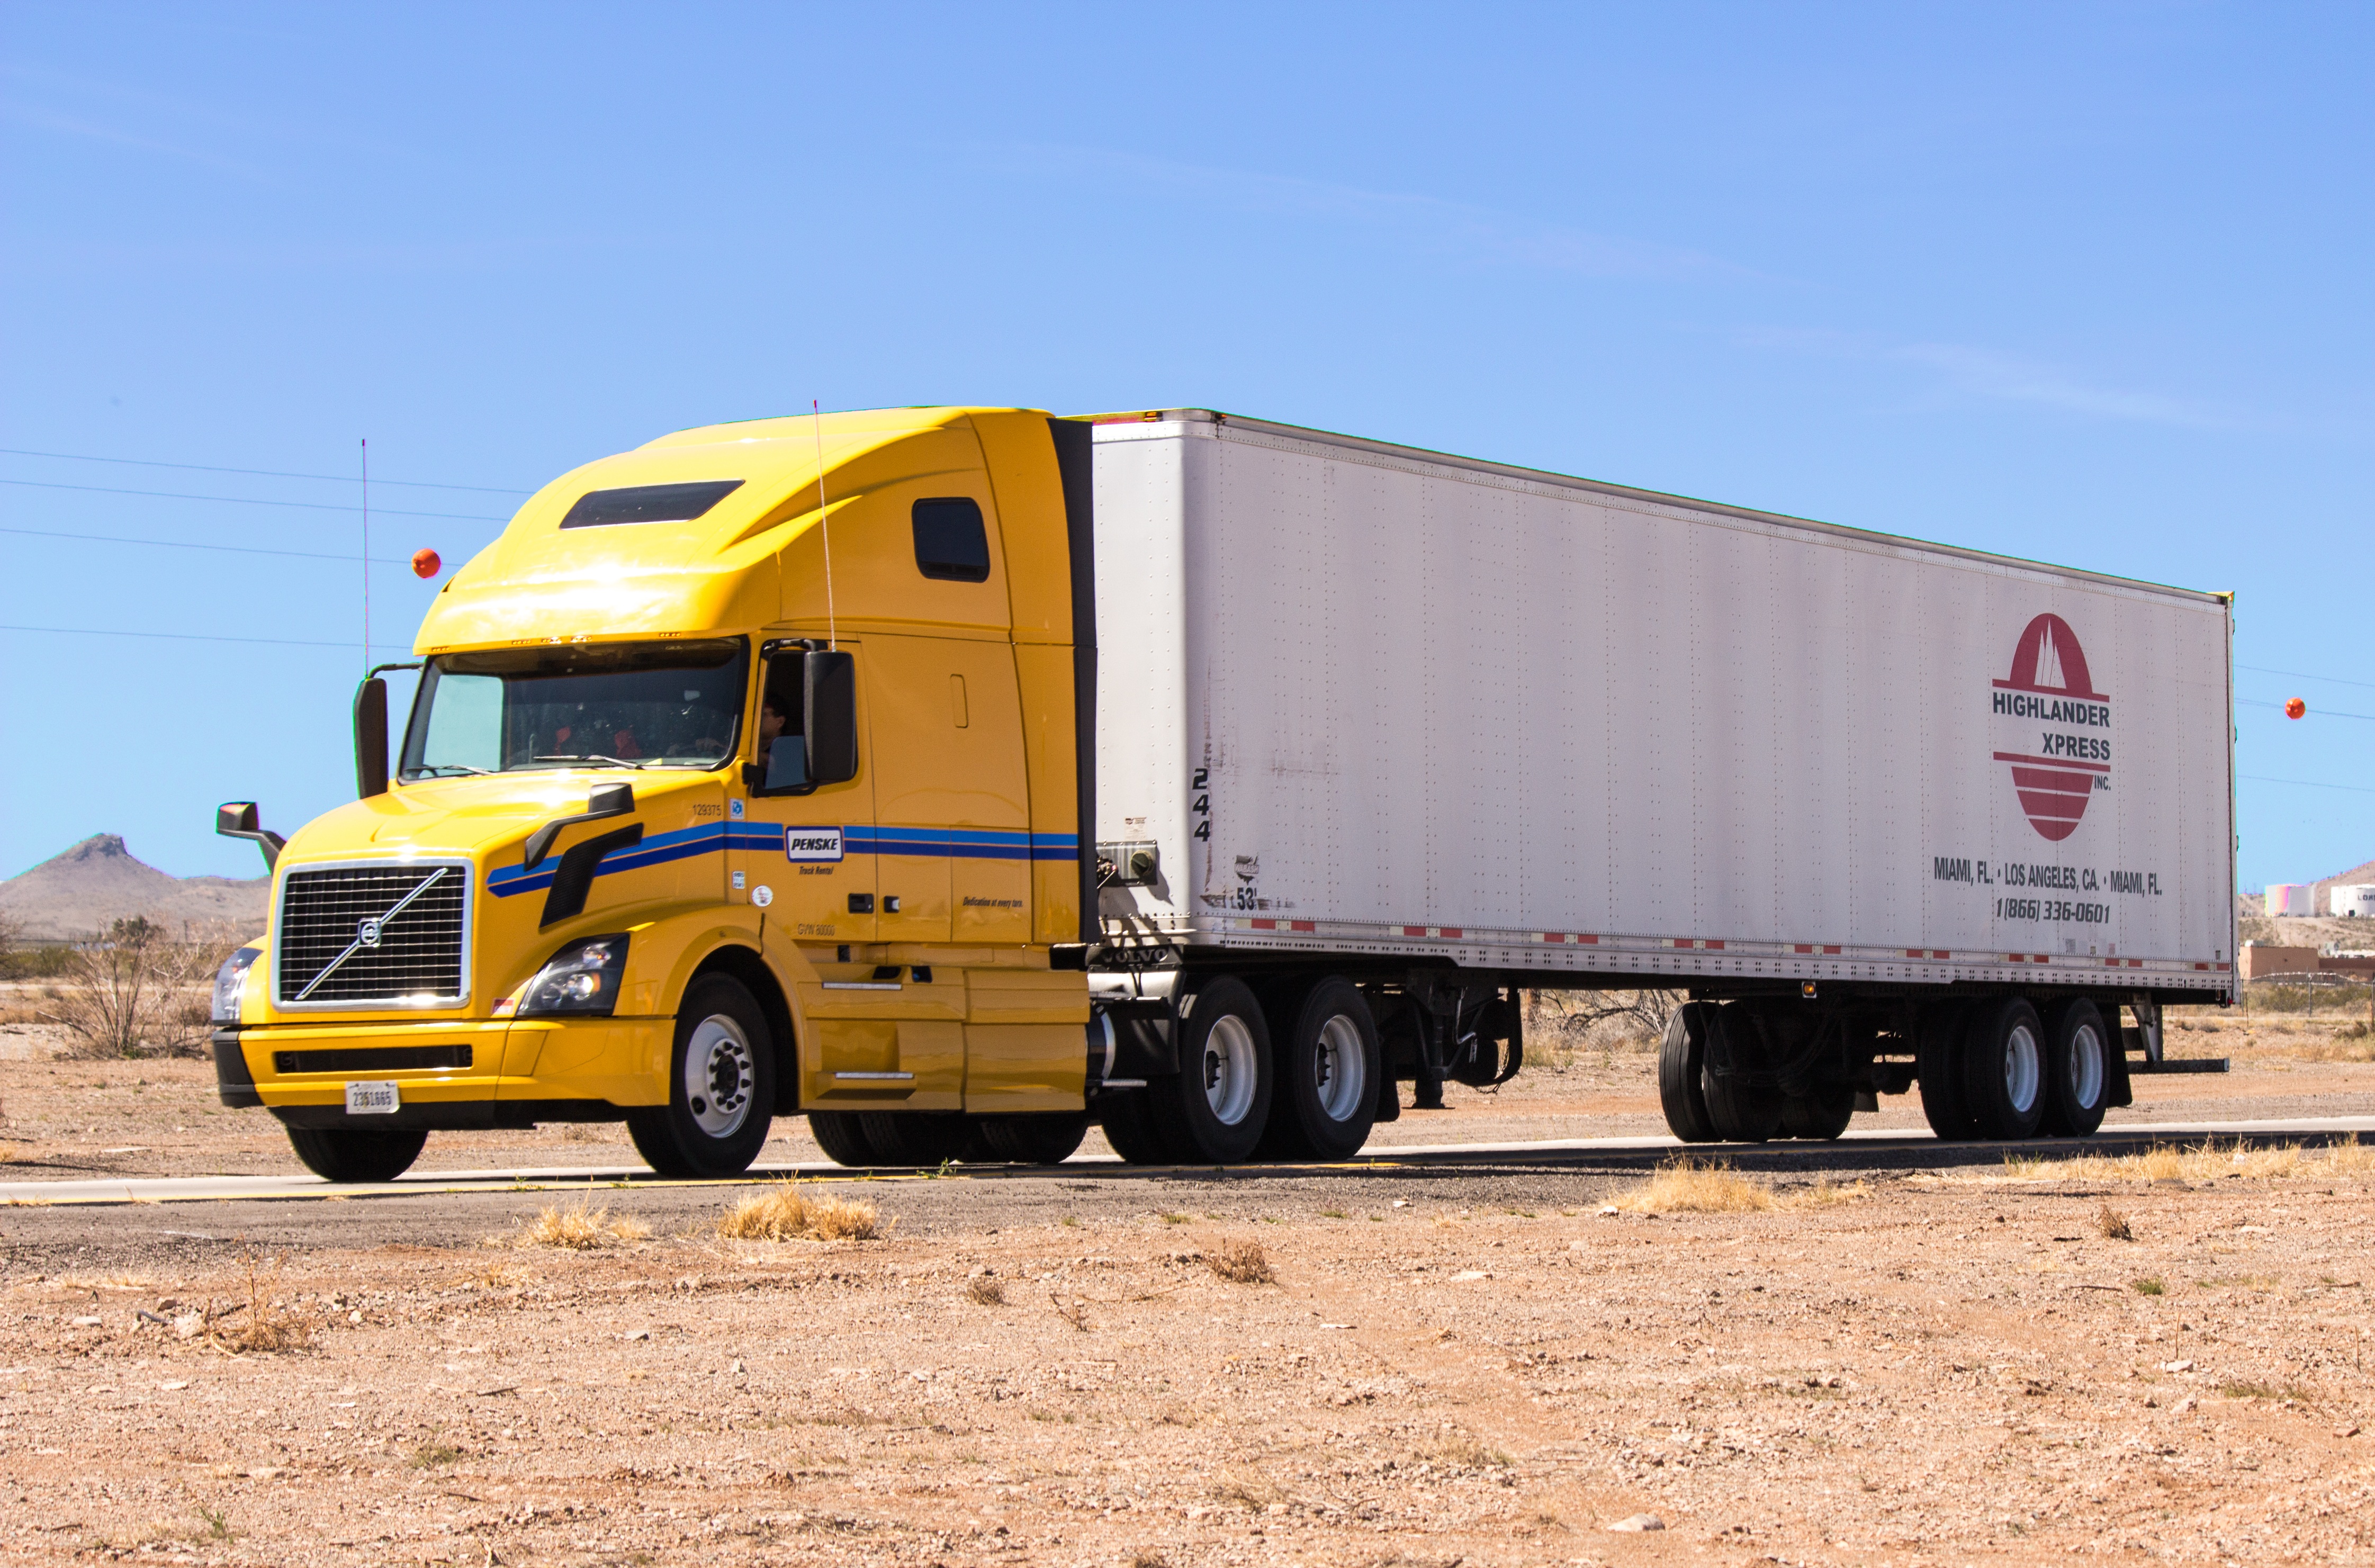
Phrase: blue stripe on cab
x=957 y=844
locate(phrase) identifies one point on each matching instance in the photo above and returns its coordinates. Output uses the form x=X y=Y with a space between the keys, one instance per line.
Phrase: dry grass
x=580 y=1229
x=789 y=1213
x=982 y=1291
x=262 y=1324
x=2114 y=1225
x=9 y=1153
x=1242 y=1262
x=1690 y=1187
x=2204 y=1162
x=1825 y=1193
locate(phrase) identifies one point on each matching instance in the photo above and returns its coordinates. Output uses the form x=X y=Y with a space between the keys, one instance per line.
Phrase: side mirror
x=829 y=683
x=370 y=739
x=239 y=819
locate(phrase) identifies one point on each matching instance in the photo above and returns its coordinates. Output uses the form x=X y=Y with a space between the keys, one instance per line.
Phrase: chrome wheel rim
x=1229 y=1069
x=2086 y=1066
x=1340 y=1070
x=719 y=1075
x=2020 y=1071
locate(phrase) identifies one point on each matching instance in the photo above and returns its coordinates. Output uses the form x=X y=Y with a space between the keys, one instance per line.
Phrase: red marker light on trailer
x=425 y=563
x=2295 y=708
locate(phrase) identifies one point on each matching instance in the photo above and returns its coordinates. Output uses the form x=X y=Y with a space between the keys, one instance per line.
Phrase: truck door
x=799 y=852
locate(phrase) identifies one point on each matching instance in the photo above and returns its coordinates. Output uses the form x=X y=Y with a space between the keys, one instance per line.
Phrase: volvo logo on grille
x=366 y=933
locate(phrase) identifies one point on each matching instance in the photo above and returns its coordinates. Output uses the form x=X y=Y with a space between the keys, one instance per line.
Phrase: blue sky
x=2088 y=283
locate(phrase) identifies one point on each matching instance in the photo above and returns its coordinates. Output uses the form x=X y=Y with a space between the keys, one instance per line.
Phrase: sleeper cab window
x=951 y=542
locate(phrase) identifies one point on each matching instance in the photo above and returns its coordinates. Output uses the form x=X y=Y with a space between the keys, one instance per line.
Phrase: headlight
x=582 y=978
x=229 y=981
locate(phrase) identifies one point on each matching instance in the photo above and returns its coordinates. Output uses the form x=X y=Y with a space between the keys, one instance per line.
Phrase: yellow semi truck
x=776 y=768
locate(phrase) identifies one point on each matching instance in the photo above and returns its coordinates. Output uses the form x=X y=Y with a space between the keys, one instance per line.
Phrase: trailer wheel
x=918 y=1139
x=1129 y=1123
x=1824 y=1114
x=1327 y=1069
x=721 y=1086
x=1212 y=1110
x=1681 y=1072
x=1738 y=1110
x=2077 y=1070
x=338 y=1154
x=2004 y=1069
x=1938 y=1064
x=1034 y=1140
x=842 y=1137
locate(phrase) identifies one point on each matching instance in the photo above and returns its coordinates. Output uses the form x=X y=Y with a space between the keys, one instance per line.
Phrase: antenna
x=366 y=462
x=824 y=521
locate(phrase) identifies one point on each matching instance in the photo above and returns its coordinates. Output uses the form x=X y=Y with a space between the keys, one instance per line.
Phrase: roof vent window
x=648 y=503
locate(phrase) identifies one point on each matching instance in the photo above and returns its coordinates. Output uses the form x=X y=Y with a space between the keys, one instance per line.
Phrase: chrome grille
x=338 y=946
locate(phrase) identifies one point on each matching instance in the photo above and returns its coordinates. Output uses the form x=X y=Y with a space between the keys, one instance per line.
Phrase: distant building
x=2292 y=898
x=2352 y=900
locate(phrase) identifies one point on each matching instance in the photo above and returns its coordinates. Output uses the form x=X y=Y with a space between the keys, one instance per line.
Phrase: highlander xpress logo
x=2056 y=726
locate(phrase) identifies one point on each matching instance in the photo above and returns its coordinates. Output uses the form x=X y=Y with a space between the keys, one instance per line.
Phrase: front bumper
x=449 y=1074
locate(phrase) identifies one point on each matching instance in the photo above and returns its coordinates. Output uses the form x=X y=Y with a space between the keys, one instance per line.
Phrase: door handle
x=891 y=904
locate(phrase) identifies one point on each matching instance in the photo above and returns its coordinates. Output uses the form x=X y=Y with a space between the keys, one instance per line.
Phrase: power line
x=2324 y=713
x=259 y=473
x=2304 y=675
x=179 y=636
x=2306 y=784
x=179 y=545
x=246 y=501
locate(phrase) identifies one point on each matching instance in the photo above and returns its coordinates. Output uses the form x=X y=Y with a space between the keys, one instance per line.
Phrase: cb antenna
x=825 y=521
x=366 y=465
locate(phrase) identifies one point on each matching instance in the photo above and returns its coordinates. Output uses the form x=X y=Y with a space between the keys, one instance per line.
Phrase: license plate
x=371 y=1098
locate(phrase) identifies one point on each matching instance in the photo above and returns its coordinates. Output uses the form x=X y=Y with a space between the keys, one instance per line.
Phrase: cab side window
x=951 y=542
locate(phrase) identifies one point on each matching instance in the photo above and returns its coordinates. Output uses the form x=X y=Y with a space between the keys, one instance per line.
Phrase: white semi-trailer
x=1432 y=729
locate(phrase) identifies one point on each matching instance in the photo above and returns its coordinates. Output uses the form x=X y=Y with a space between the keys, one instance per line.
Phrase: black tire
x=842 y=1137
x=1034 y=1140
x=338 y=1154
x=1329 y=1063
x=1212 y=1110
x=2004 y=1069
x=1739 y=1112
x=721 y=1086
x=1681 y=1072
x=919 y=1139
x=2077 y=1070
x=1824 y=1114
x=1128 y=1124
x=1938 y=1064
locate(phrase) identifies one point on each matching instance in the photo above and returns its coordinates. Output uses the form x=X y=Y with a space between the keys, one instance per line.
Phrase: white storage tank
x=2353 y=901
x=2292 y=898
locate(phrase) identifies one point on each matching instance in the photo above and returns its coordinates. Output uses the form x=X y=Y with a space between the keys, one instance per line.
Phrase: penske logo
x=809 y=846
x=2052 y=728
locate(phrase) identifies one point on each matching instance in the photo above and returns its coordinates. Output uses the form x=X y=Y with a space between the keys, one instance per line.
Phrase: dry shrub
x=982 y=1291
x=580 y=1229
x=1825 y=1193
x=1242 y=1262
x=2202 y=1162
x=1563 y=1025
x=2114 y=1224
x=9 y=1154
x=261 y=1324
x=136 y=990
x=789 y=1214
x=1688 y=1186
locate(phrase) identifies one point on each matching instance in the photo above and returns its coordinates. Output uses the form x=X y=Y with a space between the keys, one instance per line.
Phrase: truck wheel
x=2003 y=1070
x=337 y=1155
x=1212 y=1110
x=2077 y=1070
x=721 y=1086
x=1034 y=1140
x=1129 y=1123
x=920 y=1139
x=1938 y=1064
x=1824 y=1113
x=1738 y=1110
x=842 y=1137
x=1681 y=1072
x=1327 y=1068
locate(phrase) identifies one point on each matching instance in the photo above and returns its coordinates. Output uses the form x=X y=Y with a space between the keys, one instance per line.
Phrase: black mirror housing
x=829 y=684
x=239 y=819
x=370 y=739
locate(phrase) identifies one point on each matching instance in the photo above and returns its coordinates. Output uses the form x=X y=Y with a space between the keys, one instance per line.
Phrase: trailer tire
x=1681 y=1072
x=340 y=1154
x=1739 y=1111
x=842 y=1137
x=917 y=1139
x=1033 y=1140
x=1329 y=1063
x=2004 y=1069
x=1823 y=1114
x=1938 y=1064
x=1214 y=1109
x=1129 y=1123
x=2077 y=1070
x=721 y=1086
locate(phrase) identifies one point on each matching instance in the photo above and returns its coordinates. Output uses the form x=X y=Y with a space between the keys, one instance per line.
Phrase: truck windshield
x=599 y=705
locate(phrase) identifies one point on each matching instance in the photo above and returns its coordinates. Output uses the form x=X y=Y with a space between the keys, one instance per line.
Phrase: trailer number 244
x=1201 y=785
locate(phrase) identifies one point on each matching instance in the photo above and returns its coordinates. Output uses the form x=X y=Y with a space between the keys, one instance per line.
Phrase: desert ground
x=1900 y=1352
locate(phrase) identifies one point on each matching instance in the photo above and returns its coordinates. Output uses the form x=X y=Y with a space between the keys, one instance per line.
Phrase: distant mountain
x=98 y=881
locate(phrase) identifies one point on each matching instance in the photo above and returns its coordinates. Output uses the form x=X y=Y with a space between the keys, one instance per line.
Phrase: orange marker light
x=2295 y=708
x=426 y=562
